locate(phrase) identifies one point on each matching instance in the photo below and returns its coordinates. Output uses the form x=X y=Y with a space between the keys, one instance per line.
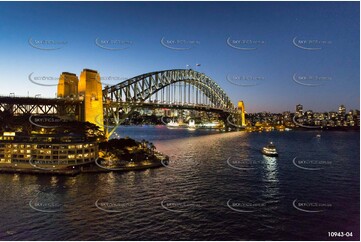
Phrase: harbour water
x=217 y=186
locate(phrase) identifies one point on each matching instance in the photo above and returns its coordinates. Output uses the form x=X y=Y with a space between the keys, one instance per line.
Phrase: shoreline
x=349 y=128
x=88 y=168
x=155 y=162
x=34 y=171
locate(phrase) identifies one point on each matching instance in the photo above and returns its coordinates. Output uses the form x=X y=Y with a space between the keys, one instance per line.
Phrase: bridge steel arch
x=139 y=89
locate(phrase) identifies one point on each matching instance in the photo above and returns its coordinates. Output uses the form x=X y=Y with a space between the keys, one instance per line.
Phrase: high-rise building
x=299 y=110
x=90 y=91
x=68 y=85
x=342 y=110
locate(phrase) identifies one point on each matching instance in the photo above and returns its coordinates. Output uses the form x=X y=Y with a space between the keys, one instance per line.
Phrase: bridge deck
x=37 y=101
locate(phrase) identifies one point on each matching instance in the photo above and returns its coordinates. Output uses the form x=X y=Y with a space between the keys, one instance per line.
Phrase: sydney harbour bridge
x=107 y=107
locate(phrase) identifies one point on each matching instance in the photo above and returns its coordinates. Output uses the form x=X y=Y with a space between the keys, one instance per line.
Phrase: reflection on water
x=54 y=181
x=270 y=168
x=16 y=177
x=202 y=185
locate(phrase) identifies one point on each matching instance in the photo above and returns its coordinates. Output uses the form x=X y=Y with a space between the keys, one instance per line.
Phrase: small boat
x=192 y=125
x=270 y=150
x=318 y=136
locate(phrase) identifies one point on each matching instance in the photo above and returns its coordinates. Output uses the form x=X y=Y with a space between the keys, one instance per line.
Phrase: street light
x=188 y=66
x=197 y=66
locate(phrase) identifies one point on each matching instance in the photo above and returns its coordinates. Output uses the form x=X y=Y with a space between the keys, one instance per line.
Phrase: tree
x=152 y=147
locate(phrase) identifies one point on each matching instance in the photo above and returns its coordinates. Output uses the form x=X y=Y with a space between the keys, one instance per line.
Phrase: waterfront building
x=287 y=116
x=45 y=151
x=309 y=115
x=310 y=118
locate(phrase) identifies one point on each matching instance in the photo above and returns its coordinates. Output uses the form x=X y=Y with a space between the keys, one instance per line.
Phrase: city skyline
x=301 y=56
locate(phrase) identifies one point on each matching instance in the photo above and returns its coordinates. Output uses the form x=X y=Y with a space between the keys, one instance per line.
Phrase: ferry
x=212 y=125
x=270 y=150
x=172 y=124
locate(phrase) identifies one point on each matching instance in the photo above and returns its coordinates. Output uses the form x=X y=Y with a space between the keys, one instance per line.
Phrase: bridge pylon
x=90 y=91
x=241 y=114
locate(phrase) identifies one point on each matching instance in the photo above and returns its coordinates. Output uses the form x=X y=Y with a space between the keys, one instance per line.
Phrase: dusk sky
x=264 y=38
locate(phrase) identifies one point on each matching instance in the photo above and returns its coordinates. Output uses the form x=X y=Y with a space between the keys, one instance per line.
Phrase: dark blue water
x=218 y=186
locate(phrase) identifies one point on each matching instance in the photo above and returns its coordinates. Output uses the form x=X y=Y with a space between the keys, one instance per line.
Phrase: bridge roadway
x=37 y=105
x=37 y=100
x=27 y=105
x=169 y=105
